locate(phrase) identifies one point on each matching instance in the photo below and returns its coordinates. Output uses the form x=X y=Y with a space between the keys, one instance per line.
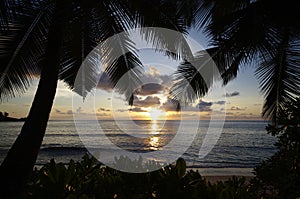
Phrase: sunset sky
x=240 y=99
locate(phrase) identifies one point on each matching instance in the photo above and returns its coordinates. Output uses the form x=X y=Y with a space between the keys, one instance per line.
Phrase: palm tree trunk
x=20 y=160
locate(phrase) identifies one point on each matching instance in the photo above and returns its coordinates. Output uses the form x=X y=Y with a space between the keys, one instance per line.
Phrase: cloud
x=147 y=102
x=102 y=109
x=69 y=112
x=79 y=110
x=170 y=105
x=157 y=82
x=235 y=93
x=153 y=71
x=122 y=110
x=150 y=89
x=229 y=113
x=257 y=104
x=220 y=102
x=154 y=76
x=203 y=103
x=102 y=114
x=205 y=109
x=204 y=106
x=236 y=108
x=137 y=109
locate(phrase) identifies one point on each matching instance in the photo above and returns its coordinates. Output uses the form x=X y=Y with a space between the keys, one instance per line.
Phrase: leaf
x=180 y=167
x=279 y=77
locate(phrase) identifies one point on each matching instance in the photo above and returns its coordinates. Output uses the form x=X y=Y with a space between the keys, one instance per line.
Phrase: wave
x=63 y=149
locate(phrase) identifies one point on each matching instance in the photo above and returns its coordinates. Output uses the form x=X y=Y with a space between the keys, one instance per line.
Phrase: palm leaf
x=79 y=41
x=22 y=47
x=207 y=11
x=279 y=77
x=98 y=23
x=192 y=79
x=168 y=15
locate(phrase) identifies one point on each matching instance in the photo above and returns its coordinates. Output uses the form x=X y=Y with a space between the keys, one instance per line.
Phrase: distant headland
x=5 y=118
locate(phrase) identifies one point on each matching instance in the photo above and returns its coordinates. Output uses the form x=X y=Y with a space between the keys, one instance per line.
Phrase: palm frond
x=208 y=11
x=79 y=41
x=22 y=45
x=279 y=77
x=118 y=52
x=5 y=16
x=168 y=15
x=193 y=79
x=242 y=31
x=189 y=84
x=98 y=23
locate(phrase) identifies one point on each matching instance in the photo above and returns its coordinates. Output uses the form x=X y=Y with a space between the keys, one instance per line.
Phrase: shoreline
x=226 y=171
x=215 y=179
x=214 y=175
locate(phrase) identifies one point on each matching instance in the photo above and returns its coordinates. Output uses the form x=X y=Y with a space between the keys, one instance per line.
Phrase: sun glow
x=154 y=143
x=156 y=114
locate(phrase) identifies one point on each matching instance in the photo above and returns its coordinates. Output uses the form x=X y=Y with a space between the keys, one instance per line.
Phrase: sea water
x=242 y=144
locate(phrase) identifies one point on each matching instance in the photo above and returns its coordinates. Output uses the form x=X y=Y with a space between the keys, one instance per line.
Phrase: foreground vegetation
x=279 y=176
x=87 y=179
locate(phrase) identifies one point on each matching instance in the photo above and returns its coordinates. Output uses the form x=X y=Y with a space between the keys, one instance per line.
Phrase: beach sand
x=215 y=179
x=214 y=175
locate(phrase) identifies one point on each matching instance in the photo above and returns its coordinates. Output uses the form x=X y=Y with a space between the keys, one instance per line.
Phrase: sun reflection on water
x=154 y=128
x=154 y=143
x=154 y=140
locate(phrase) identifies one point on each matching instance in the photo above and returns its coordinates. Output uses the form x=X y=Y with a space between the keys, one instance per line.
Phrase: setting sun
x=156 y=114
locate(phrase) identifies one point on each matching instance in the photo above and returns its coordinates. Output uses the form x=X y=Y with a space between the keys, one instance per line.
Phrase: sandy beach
x=214 y=175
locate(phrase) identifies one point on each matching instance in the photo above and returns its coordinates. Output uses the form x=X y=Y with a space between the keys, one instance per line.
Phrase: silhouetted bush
x=88 y=179
x=279 y=176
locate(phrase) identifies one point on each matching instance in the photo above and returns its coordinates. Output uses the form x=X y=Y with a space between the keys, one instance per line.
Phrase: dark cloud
x=157 y=82
x=150 y=89
x=236 y=108
x=203 y=103
x=147 y=102
x=204 y=106
x=220 y=102
x=69 y=112
x=102 y=109
x=170 y=105
x=235 y=93
x=205 y=109
x=137 y=109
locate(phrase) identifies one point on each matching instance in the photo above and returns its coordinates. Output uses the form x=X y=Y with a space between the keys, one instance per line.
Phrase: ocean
x=242 y=144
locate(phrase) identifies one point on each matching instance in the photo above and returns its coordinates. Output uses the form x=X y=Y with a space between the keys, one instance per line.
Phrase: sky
x=240 y=99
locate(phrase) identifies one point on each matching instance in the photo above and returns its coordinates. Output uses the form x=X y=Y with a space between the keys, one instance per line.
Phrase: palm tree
x=261 y=33
x=52 y=38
